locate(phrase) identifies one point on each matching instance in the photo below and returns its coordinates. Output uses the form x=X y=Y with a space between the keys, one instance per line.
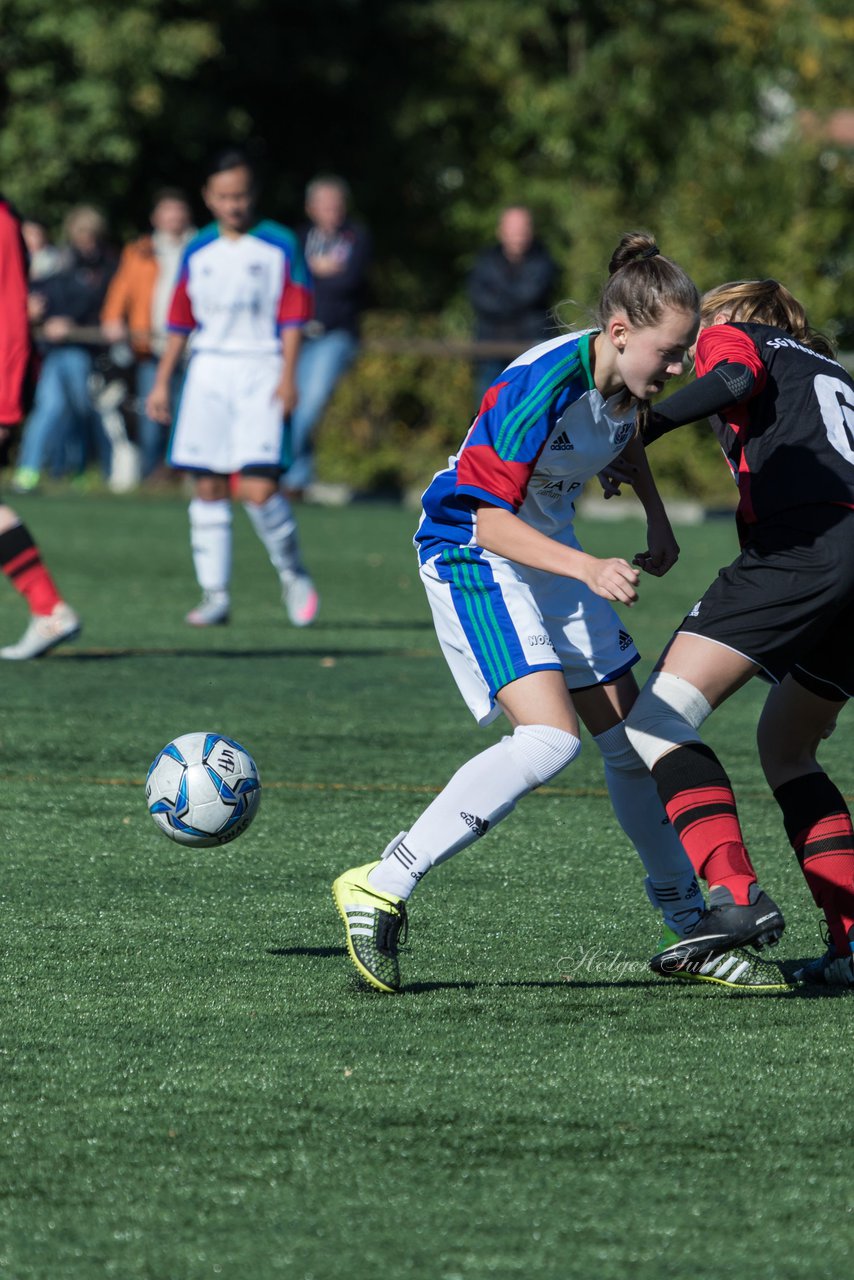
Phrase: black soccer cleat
x=721 y=928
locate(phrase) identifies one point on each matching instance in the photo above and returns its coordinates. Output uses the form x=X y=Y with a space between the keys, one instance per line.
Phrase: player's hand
x=286 y=394
x=618 y=472
x=662 y=550
x=157 y=404
x=613 y=579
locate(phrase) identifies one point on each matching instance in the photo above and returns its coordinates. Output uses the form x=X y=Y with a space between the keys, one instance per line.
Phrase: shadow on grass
x=631 y=984
x=307 y=951
x=111 y=655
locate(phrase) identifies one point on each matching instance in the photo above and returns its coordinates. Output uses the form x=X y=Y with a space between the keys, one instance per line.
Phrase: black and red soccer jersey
x=790 y=443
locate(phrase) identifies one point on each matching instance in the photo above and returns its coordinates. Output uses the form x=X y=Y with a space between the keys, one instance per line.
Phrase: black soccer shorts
x=787 y=601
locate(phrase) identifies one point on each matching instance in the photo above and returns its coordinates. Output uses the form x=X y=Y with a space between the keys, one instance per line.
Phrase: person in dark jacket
x=338 y=253
x=511 y=288
x=64 y=426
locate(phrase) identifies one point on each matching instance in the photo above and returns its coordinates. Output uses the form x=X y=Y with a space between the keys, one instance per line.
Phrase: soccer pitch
x=193 y=1084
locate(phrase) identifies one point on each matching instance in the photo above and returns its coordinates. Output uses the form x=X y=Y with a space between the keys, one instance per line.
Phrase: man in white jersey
x=244 y=293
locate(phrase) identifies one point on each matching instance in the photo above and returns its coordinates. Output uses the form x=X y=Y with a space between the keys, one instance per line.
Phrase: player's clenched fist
x=614 y=579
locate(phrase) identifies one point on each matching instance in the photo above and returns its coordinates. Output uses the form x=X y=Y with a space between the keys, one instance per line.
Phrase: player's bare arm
x=287 y=388
x=662 y=549
x=157 y=404
x=502 y=532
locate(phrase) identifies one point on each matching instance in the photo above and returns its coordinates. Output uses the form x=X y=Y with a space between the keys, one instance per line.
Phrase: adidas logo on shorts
x=563 y=442
x=625 y=640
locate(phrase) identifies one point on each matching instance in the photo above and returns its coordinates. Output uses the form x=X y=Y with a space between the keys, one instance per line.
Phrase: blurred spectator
x=137 y=303
x=51 y=619
x=338 y=253
x=45 y=258
x=63 y=426
x=511 y=288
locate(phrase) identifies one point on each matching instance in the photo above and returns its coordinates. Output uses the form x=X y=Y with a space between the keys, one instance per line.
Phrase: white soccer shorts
x=497 y=622
x=228 y=417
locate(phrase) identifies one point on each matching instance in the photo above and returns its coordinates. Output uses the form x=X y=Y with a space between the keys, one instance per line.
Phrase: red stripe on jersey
x=180 y=308
x=723 y=344
x=480 y=468
x=296 y=305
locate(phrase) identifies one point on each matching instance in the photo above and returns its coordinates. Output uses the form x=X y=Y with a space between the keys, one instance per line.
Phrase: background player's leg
x=273 y=520
x=20 y=560
x=210 y=540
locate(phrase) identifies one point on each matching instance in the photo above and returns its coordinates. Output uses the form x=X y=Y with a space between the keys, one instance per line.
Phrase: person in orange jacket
x=137 y=302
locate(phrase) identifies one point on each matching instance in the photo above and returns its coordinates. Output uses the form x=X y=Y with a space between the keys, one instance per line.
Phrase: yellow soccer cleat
x=376 y=924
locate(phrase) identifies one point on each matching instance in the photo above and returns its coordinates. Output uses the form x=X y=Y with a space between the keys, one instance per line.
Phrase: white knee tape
x=543 y=751
x=668 y=712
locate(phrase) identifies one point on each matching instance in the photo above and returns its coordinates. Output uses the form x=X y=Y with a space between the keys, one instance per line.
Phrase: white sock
x=478 y=796
x=275 y=525
x=640 y=813
x=210 y=540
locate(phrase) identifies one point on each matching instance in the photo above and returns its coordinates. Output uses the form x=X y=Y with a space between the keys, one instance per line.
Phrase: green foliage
x=80 y=82
x=396 y=418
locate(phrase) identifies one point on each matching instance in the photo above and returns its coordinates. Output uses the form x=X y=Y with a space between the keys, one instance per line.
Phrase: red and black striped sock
x=818 y=824
x=20 y=560
x=698 y=798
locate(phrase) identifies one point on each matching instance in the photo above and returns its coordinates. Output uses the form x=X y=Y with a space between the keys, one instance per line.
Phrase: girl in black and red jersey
x=783 y=410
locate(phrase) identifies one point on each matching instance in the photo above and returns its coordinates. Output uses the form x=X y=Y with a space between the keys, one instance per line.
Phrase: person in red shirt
x=783 y=411
x=52 y=620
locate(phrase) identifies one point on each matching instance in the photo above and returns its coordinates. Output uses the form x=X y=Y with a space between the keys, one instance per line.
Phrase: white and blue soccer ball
x=203 y=789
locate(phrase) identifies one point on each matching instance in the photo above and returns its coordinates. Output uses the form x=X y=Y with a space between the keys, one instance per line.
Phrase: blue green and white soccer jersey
x=542 y=431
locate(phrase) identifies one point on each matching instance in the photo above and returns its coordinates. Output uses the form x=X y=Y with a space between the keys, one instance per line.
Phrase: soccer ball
x=203 y=789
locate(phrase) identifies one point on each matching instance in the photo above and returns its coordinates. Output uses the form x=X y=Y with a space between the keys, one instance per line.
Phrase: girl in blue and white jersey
x=524 y=616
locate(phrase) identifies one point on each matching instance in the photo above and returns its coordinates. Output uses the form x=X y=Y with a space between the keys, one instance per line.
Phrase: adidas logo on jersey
x=625 y=641
x=479 y=826
x=563 y=442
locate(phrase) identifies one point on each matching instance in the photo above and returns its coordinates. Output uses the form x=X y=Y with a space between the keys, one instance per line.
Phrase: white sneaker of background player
x=300 y=598
x=211 y=611
x=43 y=633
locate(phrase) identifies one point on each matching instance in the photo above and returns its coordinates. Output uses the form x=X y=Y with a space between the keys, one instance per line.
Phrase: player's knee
x=543 y=750
x=668 y=713
x=616 y=750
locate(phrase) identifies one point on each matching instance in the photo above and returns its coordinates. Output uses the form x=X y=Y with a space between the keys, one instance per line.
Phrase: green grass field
x=192 y=1083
